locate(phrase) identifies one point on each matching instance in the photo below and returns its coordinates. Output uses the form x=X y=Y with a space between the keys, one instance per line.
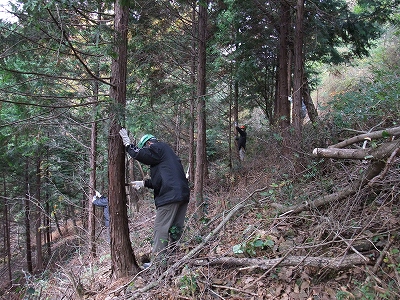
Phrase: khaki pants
x=242 y=153
x=167 y=216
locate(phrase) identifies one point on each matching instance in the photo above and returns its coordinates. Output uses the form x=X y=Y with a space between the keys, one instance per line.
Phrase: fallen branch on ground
x=369 y=153
x=335 y=263
x=373 y=170
x=376 y=155
x=370 y=135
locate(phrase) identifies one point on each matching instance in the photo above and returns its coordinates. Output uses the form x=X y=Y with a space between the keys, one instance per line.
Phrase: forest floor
x=345 y=250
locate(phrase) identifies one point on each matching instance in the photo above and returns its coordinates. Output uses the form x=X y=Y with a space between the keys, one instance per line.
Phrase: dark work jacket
x=242 y=138
x=167 y=175
x=103 y=202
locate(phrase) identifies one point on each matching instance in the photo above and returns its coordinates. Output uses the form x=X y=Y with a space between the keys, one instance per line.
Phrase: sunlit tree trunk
x=123 y=261
x=298 y=70
x=311 y=109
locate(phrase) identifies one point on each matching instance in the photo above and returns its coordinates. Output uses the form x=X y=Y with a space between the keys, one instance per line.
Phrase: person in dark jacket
x=171 y=188
x=241 y=140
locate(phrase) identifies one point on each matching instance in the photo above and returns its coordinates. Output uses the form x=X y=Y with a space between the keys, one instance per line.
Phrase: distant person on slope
x=171 y=188
x=241 y=140
x=102 y=201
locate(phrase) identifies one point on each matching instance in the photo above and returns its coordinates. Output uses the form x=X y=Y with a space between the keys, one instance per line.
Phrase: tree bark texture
x=298 y=70
x=122 y=257
x=193 y=94
x=308 y=102
x=282 y=107
x=201 y=164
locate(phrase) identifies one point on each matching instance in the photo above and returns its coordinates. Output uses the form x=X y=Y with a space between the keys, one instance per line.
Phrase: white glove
x=235 y=124
x=137 y=184
x=94 y=198
x=98 y=194
x=125 y=138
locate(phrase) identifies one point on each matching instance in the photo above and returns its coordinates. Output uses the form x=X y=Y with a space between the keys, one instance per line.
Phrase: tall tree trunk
x=92 y=180
x=289 y=72
x=93 y=154
x=27 y=220
x=123 y=261
x=38 y=218
x=236 y=92
x=57 y=223
x=178 y=129
x=236 y=109
x=192 y=100
x=311 y=110
x=282 y=109
x=231 y=119
x=271 y=92
x=201 y=162
x=47 y=225
x=298 y=70
x=7 y=232
x=47 y=219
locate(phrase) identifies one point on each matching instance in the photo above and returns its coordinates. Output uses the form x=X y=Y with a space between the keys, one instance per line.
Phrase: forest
x=310 y=209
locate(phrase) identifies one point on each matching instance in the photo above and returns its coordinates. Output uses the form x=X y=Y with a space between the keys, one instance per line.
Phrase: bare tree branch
x=372 y=135
x=380 y=152
x=373 y=170
x=265 y=264
x=85 y=66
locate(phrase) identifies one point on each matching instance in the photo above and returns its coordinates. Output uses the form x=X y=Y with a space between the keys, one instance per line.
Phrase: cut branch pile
x=380 y=156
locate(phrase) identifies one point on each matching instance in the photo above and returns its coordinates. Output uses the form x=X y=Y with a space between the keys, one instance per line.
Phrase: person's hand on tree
x=125 y=138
